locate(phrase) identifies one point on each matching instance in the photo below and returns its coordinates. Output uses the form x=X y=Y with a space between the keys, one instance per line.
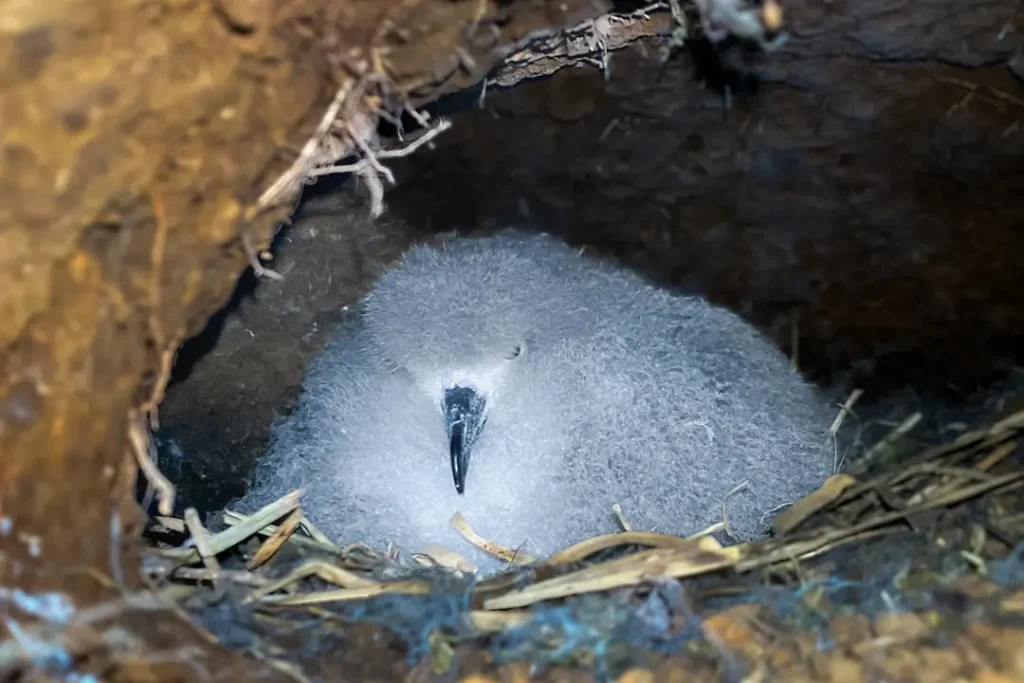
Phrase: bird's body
x=588 y=388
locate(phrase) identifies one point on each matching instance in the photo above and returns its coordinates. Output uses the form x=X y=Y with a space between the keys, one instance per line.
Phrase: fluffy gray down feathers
x=620 y=393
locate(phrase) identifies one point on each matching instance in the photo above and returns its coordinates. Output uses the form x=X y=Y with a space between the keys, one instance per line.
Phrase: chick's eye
x=515 y=352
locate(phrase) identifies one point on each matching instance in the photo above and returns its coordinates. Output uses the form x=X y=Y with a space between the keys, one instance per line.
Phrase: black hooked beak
x=464 y=420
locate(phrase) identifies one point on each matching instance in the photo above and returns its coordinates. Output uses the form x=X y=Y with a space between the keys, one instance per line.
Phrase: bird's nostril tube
x=464 y=420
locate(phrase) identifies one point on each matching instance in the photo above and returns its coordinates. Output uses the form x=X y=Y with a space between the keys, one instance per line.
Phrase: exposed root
x=254 y=261
x=369 y=169
x=142 y=449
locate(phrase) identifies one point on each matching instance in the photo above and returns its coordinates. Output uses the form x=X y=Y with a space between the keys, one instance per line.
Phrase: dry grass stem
x=234 y=535
x=499 y=551
x=623 y=522
x=700 y=556
x=800 y=548
x=274 y=542
x=833 y=430
x=320 y=569
x=485 y=621
x=843 y=511
x=799 y=511
x=202 y=540
x=584 y=549
x=886 y=442
x=435 y=555
x=708 y=530
x=350 y=594
x=317 y=535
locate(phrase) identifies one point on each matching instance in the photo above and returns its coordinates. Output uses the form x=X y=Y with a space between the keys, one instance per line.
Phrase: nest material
x=620 y=595
x=826 y=599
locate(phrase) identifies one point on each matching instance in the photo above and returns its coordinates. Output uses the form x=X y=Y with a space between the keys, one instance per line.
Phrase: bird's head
x=464 y=320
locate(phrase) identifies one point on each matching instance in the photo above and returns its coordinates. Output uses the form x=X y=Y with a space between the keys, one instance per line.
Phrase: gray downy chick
x=531 y=388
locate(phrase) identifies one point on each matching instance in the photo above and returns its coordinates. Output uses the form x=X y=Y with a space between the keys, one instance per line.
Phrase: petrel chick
x=531 y=388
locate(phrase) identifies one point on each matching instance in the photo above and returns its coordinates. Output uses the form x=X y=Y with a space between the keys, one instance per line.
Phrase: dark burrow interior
x=862 y=216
